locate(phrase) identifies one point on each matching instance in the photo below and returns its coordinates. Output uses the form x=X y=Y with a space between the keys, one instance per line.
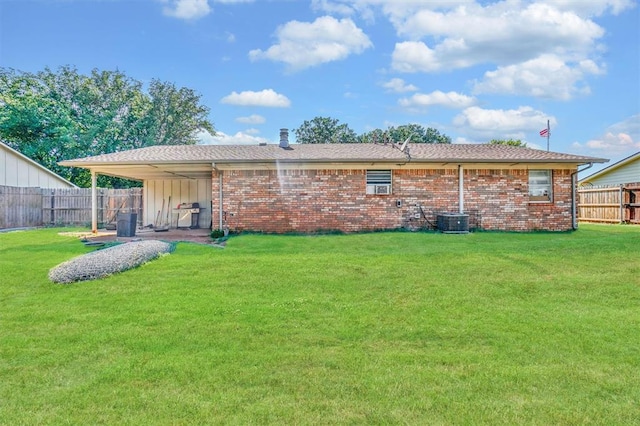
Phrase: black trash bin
x=126 y=225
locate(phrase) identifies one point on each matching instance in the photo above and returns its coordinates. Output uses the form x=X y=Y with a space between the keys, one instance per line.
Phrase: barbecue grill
x=188 y=215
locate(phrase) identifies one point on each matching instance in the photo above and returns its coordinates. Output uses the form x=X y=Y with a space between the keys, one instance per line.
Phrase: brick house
x=354 y=187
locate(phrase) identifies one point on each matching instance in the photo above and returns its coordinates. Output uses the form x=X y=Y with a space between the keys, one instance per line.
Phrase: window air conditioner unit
x=453 y=223
x=383 y=189
x=373 y=189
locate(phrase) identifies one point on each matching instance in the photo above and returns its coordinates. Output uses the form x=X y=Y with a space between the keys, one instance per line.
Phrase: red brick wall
x=313 y=200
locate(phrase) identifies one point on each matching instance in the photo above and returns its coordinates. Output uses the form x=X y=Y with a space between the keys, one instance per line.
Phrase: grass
x=383 y=328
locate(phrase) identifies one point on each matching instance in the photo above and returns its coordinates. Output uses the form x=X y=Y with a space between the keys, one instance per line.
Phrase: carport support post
x=94 y=203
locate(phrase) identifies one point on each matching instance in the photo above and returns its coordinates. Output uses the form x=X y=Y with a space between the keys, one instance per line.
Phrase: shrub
x=217 y=233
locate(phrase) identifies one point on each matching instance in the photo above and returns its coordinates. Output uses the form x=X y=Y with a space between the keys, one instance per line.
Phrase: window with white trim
x=540 y=186
x=378 y=182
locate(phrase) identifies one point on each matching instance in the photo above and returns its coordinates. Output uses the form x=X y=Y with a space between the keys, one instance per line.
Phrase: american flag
x=544 y=132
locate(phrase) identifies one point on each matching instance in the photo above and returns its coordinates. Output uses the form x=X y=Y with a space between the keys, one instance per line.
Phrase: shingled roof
x=333 y=152
x=206 y=155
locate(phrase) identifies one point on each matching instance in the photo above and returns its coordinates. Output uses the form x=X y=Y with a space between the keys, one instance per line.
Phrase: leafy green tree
x=510 y=142
x=325 y=130
x=50 y=116
x=175 y=115
x=374 y=136
x=399 y=134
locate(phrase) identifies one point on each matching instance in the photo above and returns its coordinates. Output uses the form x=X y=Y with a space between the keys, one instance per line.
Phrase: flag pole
x=548 y=134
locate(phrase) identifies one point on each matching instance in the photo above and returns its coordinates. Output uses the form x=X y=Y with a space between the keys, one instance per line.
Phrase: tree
x=50 y=116
x=175 y=115
x=510 y=142
x=324 y=130
x=374 y=136
x=416 y=133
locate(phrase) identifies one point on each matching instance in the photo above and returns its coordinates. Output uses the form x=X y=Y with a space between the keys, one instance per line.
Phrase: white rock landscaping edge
x=105 y=262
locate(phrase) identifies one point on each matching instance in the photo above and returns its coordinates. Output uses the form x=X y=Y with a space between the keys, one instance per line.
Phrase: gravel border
x=104 y=262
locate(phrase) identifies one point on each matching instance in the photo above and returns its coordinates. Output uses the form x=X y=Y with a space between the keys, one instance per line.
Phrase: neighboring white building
x=19 y=170
x=624 y=171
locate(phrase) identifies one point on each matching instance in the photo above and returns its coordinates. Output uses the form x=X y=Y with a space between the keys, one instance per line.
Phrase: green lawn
x=381 y=328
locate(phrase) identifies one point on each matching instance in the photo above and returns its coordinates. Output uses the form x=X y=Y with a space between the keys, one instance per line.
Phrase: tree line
x=51 y=116
x=330 y=130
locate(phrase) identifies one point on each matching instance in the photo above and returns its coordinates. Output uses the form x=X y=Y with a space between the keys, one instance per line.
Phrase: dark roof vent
x=284 y=139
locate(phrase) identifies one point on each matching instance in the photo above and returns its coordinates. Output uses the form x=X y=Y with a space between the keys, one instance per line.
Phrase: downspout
x=574 y=202
x=460 y=189
x=220 y=211
x=94 y=203
x=220 y=193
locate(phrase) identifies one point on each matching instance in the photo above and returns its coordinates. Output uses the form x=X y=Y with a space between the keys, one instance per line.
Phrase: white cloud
x=593 y=7
x=514 y=35
x=240 y=138
x=399 y=10
x=205 y=138
x=365 y=9
x=510 y=27
x=490 y=124
x=547 y=76
x=499 y=33
x=540 y=50
x=611 y=142
x=330 y=7
x=264 y=98
x=302 y=44
x=460 y=140
x=252 y=119
x=398 y=85
x=414 y=56
x=448 y=100
x=619 y=138
x=187 y=9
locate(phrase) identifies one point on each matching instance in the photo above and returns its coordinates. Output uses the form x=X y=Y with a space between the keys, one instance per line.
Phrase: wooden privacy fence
x=610 y=204
x=29 y=207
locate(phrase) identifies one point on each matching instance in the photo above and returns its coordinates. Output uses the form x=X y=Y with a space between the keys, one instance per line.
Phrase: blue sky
x=475 y=70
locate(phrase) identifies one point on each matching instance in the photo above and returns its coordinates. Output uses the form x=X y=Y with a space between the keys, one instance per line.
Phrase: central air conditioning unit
x=453 y=223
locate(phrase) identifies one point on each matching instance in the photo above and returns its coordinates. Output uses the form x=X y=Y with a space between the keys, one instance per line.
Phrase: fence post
x=621 y=204
x=52 y=215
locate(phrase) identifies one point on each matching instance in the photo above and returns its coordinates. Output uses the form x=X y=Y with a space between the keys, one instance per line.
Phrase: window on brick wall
x=540 y=186
x=379 y=182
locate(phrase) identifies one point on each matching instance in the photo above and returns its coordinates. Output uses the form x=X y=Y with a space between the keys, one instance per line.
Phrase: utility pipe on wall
x=460 y=188
x=220 y=212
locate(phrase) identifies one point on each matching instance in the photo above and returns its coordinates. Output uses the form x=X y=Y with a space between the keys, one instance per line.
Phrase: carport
x=165 y=180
